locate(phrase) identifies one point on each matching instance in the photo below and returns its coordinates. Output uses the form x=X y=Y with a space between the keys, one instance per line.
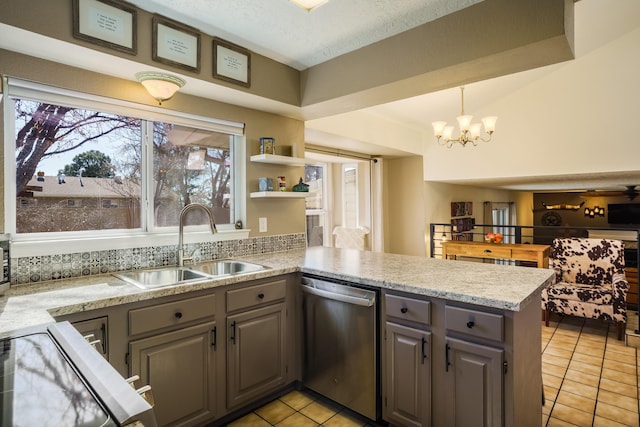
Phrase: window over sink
x=88 y=166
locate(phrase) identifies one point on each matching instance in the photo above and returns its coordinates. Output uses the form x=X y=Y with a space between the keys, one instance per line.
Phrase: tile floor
x=590 y=379
x=300 y=409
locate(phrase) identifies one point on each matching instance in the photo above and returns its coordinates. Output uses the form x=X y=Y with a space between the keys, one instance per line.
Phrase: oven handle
x=364 y=302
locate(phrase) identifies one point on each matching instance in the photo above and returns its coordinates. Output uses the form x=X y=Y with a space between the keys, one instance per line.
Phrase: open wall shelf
x=278 y=160
x=279 y=195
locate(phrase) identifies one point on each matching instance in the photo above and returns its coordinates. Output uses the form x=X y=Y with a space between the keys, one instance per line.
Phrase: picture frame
x=108 y=23
x=176 y=44
x=231 y=62
x=461 y=209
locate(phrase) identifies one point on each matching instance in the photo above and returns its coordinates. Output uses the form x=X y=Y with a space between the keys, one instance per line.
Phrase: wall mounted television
x=623 y=213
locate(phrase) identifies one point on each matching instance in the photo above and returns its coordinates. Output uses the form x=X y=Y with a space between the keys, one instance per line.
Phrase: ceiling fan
x=630 y=193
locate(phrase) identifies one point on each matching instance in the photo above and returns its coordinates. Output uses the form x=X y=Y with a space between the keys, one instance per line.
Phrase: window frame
x=33 y=244
x=343 y=207
x=327 y=206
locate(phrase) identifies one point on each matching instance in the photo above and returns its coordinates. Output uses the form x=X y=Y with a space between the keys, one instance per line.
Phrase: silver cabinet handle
x=338 y=297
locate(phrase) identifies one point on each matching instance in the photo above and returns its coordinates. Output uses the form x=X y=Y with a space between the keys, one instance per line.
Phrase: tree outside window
x=82 y=170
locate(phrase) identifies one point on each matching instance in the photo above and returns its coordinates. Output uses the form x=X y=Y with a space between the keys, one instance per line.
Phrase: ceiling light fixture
x=161 y=86
x=309 y=5
x=592 y=212
x=468 y=132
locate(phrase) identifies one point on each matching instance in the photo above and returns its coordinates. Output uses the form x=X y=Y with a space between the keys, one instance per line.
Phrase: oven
x=52 y=376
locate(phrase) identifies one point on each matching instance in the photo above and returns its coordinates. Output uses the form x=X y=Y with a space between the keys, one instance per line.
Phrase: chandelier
x=468 y=132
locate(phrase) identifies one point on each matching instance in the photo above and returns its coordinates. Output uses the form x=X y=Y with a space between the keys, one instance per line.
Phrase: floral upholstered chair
x=590 y=280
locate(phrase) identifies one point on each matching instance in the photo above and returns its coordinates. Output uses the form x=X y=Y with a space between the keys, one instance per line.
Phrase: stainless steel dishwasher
x=340 y=344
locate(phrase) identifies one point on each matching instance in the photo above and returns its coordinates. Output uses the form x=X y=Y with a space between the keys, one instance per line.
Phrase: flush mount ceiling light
x=468 y=132
x=161 y=86
x=309 y=5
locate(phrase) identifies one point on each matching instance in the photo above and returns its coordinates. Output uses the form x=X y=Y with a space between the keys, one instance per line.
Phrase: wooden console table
x=513 y=251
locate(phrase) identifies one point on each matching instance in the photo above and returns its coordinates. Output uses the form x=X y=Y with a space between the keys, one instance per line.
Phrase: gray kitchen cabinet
x=474 y=366
x=472 y=374
x=172 y=348
x=407 y=361
x=98 y=328
x=256 y=342
x=179 y=366
x=408 y=376
x=475 y=396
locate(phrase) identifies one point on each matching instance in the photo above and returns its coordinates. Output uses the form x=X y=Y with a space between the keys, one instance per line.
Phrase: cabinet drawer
x=170 y=314
x=238 y=299
x=476 y=323
x=406 y=308
x=484 y=252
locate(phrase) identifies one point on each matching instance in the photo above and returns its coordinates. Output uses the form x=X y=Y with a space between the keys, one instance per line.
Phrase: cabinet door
x=99 y=328
x=179 y=366
x=407 y=376
x=255 y=353
x=475 y=385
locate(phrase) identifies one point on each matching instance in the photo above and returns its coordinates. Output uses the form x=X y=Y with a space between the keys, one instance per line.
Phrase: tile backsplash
x=34 y=269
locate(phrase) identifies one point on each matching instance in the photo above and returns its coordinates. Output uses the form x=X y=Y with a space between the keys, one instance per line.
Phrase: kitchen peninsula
x=474 y=319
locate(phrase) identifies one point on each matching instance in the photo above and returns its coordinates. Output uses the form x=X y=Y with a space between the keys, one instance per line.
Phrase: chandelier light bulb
x=438 y=127
x=490 y=124
x=447 y=135
x=475 y=130
x=464 y=122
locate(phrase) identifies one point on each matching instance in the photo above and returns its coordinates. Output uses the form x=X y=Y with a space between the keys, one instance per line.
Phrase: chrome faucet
x=183 y=214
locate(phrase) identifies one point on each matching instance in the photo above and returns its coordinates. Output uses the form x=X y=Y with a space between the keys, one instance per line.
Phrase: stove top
x=39 y=387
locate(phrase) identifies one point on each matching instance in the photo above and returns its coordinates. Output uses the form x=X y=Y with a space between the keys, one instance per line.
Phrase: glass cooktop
x=39 y=387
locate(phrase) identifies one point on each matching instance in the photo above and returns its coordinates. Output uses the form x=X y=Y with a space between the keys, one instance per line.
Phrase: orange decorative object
x=493 y=237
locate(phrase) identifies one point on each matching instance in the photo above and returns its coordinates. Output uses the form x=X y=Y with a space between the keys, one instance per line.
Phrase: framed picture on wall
x=175 y=44
x=107 y=23
x=231 y=63
x=461 y=209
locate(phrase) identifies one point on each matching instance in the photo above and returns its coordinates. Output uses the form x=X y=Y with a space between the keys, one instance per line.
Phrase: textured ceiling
x=280 y=30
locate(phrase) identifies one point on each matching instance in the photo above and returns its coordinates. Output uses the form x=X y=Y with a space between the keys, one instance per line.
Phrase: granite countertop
x=503 y=287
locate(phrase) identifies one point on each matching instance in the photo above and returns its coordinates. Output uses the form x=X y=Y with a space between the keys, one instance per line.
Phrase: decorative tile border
x=26 y=270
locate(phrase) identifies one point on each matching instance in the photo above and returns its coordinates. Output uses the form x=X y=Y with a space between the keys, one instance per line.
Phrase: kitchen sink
x=227 y=267
x=148 y=279
x=157 y=278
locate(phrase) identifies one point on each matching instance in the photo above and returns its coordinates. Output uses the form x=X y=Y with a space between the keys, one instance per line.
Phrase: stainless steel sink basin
x=227 y=267
x=148 y=279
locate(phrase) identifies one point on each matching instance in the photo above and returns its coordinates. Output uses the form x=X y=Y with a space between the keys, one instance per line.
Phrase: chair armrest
x=620 y=282
x=620 y=288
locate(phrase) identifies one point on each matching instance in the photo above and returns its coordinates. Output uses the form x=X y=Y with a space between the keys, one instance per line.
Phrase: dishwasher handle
x=350 y=299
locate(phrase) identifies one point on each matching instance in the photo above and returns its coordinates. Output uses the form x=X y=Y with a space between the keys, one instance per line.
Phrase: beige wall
x=283 y=216
x=405 y=222
x=438 y=198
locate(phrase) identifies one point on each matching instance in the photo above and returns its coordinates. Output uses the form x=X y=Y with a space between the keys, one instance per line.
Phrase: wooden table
x=513 y=251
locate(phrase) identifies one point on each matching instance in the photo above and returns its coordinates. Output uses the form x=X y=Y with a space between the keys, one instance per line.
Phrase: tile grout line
x=582 y=326
x=604 y=353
